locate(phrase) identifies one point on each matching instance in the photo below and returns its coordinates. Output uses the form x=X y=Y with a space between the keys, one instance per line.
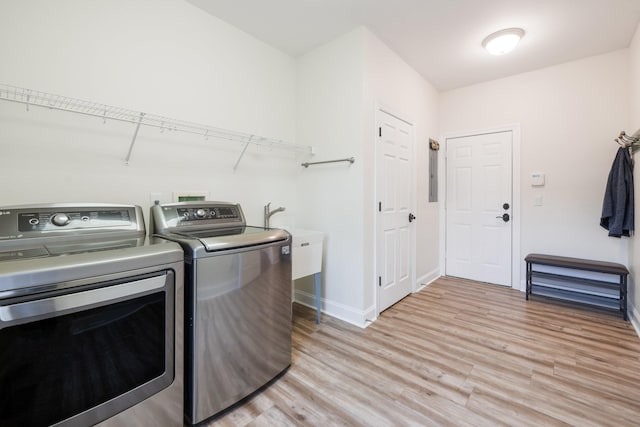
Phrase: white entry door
x=479 y=207
x=394 y=192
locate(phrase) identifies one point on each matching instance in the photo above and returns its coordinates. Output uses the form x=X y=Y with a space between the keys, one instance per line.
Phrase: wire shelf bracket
x=30 y=97
x=242 y=153
x=133 y=141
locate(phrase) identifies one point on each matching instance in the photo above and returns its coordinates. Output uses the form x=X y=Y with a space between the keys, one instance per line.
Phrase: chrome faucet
x=268 y=213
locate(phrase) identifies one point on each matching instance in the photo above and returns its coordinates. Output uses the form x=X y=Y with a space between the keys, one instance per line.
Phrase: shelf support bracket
x=133 y=141
x=242 y=154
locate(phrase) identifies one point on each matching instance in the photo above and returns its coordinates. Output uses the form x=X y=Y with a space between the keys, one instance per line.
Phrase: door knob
x=505 y=217
x=411 y=217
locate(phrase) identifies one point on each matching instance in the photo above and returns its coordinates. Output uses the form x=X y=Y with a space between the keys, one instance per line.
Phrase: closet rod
x=307 y=164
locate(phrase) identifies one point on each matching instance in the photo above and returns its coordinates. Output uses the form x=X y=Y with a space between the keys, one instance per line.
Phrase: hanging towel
x=617 y=208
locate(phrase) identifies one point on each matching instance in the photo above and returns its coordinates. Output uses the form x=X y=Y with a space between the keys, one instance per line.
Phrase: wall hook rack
x=30 y=97
x=307 y=164
x=627 y=141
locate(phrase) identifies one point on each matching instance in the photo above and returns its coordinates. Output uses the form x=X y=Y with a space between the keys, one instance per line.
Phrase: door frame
x=516 y=213
x=380 y=108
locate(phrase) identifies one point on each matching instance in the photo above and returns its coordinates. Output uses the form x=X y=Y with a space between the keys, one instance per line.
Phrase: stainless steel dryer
x=90 y=314
x=237 y=302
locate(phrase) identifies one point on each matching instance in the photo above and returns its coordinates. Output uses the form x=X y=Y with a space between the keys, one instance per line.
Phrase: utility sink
x=306 y=260
x=306 y=252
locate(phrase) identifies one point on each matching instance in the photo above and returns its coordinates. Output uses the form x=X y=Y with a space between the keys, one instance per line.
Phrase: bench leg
x=527 y=289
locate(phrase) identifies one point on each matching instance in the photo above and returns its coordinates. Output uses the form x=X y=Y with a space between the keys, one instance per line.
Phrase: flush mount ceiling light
x=503 y=41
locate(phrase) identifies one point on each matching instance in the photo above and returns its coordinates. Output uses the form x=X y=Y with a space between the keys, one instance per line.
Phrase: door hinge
x=380 y=131
x=379 y=206
x=380 y=281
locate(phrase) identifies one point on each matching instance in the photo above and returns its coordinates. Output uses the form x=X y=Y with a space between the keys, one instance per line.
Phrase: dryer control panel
x=195 y=215
x=74 y=218
x=50 y=220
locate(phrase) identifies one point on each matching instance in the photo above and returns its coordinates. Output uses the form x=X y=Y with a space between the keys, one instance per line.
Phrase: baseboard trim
x=343 y=312
x=426 y=279
x=369 y=316
x=634 y=318
x=523 y=285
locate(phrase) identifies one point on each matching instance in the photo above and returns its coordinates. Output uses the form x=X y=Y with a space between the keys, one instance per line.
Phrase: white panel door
x=394 y=158
x=479 y=194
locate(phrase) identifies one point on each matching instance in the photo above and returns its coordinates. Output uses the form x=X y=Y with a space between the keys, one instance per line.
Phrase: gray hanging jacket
x=617 y=208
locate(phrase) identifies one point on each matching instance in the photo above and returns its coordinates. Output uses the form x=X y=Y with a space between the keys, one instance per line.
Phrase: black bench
x=569 y=286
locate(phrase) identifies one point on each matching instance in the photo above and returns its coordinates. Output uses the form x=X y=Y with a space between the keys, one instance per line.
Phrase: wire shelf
x=30 y=97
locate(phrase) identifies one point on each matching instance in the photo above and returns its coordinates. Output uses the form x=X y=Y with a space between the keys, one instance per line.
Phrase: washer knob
x=200 y=213
x=60 y=219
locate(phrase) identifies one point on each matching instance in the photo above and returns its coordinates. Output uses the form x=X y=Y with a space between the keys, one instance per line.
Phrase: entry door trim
x=516 y=261
x=381 y=108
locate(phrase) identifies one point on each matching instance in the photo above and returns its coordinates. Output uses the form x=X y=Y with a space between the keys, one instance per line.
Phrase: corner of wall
x=633 y=302
x=426 y=279
x=360 y=318
x=634 y=318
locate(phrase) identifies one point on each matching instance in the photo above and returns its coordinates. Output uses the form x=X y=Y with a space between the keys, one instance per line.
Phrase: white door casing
x=478 y=184
x=394 y=195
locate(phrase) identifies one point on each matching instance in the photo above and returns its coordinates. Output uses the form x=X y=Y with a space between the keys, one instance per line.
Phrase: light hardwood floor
x=458 y=353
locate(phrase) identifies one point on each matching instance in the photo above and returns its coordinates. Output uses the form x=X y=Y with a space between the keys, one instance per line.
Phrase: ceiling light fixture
x=503 y=41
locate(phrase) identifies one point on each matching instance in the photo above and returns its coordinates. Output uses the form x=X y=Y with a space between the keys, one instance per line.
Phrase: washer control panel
x=76 y=219
x=227 y=213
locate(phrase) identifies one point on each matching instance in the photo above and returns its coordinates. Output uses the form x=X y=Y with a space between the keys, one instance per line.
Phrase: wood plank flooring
x=458 y=353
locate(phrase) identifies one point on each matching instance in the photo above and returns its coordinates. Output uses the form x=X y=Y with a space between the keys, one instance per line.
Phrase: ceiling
x=441 y=39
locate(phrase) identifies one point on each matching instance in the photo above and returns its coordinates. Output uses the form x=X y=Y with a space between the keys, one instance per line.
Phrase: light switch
x=537 y=179
x=537 y=201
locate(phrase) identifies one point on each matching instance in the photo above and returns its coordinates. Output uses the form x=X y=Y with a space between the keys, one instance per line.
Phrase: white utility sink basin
x=306 y=252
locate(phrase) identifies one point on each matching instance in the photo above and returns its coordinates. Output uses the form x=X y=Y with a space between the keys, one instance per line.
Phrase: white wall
x=330 y=117
x=569 y=115
x=393 y=85
x=339 y=86
x=165 y=57
x=634 y=124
